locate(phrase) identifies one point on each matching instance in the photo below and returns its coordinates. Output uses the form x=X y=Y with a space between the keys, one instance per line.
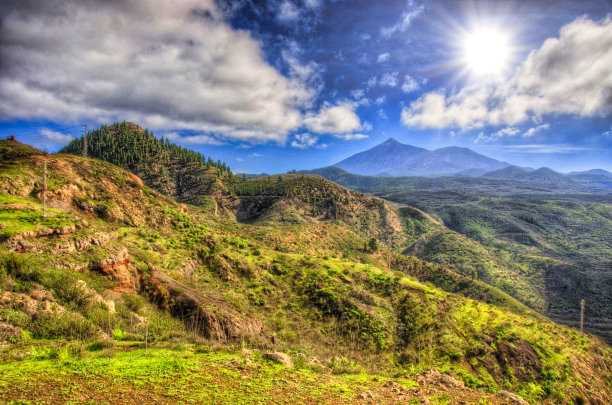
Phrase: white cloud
x=166 y=65
x=413 y=10
x=380 y=100
x=382 y=114
x=383 y=57
x=256 y=155
x=306 y=73
x=504 y=132
x=409 y=85
x=535 y=130
x=288 y=12
x=571 y=74
x=334 y=119
x=389 y=79
x=55 y=136
x=303 y=141
x=351 y=137
x=239 y=159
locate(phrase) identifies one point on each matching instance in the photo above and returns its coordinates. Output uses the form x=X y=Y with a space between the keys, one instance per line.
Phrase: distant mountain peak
x=390 y=141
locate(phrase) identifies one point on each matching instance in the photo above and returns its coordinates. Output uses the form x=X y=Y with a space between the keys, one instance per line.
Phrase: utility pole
x=581 y=316
x=44 y=190
x=84 y=140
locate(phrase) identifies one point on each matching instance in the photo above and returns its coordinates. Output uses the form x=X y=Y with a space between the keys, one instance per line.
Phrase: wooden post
x=146 y=336
x=44 y=190
x=581 y=316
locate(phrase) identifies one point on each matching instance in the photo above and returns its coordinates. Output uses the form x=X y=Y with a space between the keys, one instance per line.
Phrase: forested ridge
x=126 y=144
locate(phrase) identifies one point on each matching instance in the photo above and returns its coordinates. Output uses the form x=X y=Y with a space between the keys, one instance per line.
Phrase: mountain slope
x=543 y=175
x=392 y=158
x=384 y=158
x=113 y=259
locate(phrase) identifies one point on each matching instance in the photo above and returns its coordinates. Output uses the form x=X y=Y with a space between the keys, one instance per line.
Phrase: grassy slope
x=560 y=245
x=342 y=303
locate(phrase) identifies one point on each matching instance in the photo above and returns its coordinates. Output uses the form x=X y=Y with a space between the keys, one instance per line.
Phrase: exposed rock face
x=120 y=270
x=281 y=358
x=213 y=318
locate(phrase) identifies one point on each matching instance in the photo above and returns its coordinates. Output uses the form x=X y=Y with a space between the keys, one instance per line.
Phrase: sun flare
x=486 y=51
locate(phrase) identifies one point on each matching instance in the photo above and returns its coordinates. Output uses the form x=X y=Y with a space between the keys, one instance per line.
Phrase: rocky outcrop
x=120 y=270
x=211 y=317
x=38 y=301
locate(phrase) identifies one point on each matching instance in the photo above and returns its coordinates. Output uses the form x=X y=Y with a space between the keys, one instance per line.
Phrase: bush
x=133 y=302
x=66 y=325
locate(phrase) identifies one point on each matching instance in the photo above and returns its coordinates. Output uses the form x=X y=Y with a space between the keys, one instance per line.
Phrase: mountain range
x=392 y=158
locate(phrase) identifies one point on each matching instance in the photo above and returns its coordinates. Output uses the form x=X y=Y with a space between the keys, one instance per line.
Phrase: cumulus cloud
x=383 y=57
x=570 y=74
x=304 y=141
x=389 y=79
x=413 y=10
x=168 y=65
x=334 y=119
x=55 y=136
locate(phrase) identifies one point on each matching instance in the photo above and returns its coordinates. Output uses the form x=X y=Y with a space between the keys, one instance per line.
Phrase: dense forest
x=126 y=144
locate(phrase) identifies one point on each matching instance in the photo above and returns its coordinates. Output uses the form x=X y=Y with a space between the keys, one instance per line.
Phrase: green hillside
x=554 y=250
x=115 y=264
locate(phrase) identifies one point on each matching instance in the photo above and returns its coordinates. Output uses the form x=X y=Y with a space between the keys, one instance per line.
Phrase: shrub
x=133 y=302
x=67 y=325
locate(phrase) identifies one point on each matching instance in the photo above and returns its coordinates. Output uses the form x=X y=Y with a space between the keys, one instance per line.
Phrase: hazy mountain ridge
x=392 y=158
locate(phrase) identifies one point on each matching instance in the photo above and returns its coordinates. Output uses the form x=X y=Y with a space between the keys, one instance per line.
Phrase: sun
x=486 y=51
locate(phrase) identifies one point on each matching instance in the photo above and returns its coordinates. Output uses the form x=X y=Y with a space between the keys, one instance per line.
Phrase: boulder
x=279 y=357
x=512 y=398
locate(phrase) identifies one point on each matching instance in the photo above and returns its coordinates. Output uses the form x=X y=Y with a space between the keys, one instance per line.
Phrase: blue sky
x=270 y=86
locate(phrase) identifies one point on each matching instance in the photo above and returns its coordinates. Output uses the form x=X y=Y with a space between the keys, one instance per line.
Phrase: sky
x=271 y=86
